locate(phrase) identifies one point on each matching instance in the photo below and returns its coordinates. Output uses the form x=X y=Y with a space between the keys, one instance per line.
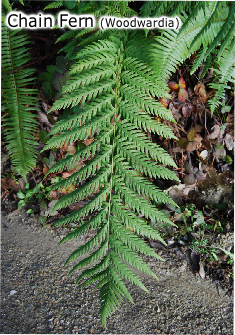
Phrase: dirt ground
x=39 y=297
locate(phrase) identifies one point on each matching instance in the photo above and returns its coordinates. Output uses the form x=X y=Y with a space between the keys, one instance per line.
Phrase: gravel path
x=39 y=297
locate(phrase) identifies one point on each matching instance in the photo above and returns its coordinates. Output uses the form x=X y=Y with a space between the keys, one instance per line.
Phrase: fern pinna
x=18 y=101
x=111 y=96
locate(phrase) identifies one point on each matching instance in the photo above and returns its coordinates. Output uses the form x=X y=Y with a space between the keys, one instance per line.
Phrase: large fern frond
x=111 y=94
x=18 y=101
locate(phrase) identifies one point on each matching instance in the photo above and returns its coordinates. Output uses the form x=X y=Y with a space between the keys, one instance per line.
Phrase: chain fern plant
x=18 y=100
x=208 y=30
x=111 y=95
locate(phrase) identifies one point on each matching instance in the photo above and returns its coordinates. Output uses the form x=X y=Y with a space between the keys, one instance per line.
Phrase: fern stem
x=113 y=145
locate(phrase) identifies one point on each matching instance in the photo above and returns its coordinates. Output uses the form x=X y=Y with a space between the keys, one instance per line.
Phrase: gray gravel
x=39 y=297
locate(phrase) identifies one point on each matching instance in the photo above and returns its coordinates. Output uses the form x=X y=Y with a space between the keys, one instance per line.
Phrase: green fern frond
x=18 y=101
x=110 y=103
x=54 y=4
x=227 y=30
x=209 y=25
x=224 y=74
x=6 y=5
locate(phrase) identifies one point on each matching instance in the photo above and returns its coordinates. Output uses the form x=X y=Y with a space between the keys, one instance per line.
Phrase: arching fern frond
x=209 y=25
x=224 y=74
x=111 y=94
x=18 y=101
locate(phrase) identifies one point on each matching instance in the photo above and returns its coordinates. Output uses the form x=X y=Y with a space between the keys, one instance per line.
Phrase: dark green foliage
x=55 y=78
x=18 y=101
x=110 y=94
x=209 y=30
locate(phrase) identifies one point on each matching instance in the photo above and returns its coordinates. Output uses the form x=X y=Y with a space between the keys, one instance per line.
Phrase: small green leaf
x=51 y=68
x=42 y=219
x=43 y=204
x=21 y=203
x=225 y=109
x=46 y=85
x=228 y=160
x=58 y=81
x=191 y=134
x=20 y=195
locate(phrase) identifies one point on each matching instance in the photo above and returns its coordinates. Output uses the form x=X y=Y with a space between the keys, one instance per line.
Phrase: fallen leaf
x=199 y=128
x=53 y=195
x=9 y=182
x=185 y=111
x=188 y=168
x=194 y=139
x=70 y=148
x=219 y=152
x=201 y=270
x=173 y=85
x=66 y=174
x=182 y=83
x=68 y=189
x=164 y=102
x=183 y=95
x=229 y=142
x=43 y=119
x=201 y=175
x=200 y=90
x=187 y=189
x=157 y=245
x=45 y=169
x=191 y=134
x=215 y=132
x=77 y=205
x=88 y=141
x=52 y=203
x=190 y=179
x=75 y=168
x=183 y=142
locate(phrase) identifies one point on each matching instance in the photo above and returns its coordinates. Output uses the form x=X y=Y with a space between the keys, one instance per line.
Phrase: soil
x=39 y=297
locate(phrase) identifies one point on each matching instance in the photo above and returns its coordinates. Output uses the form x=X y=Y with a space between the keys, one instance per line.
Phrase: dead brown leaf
x=215 y=132
x=88 y=141
x=200 y=90
x=229 y=142
x=10 y=183
x=45 y=169
x=202 y=270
